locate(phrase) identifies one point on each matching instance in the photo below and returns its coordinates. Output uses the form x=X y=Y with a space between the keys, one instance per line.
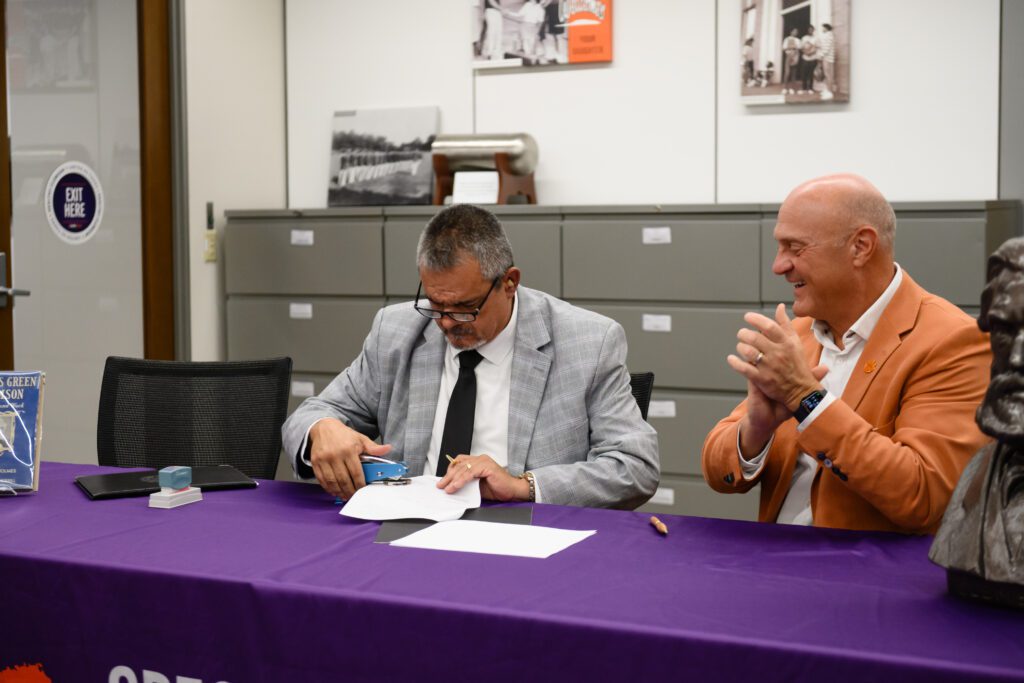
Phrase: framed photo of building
x=540 y=32
x=382 y=156
x=794 y=51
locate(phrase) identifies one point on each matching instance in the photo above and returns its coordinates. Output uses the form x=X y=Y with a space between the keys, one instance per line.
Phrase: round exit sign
x=74 y=202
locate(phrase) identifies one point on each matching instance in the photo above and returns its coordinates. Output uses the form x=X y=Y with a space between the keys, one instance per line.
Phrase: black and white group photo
x=526 y=30
x=795 y=52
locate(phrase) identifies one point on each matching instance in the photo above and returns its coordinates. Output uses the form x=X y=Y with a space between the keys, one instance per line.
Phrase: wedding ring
x=760 y=355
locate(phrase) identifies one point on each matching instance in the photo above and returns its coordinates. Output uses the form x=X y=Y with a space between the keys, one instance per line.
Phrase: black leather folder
x=145 y=482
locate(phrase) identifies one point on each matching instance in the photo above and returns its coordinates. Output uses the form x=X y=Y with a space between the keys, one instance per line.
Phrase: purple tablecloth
x=273 y=585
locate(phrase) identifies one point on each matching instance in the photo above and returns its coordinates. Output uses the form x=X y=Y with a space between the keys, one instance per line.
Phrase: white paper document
x=475 y=187
x=419 y=499
x=491 y=538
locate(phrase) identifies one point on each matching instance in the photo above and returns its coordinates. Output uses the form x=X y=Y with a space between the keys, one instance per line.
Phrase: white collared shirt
x=796 y=509
x=493 y=388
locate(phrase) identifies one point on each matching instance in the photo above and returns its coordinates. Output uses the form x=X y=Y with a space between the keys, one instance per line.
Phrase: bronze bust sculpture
x=981 y=540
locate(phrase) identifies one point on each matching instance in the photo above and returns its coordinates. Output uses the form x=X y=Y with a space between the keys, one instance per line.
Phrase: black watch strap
x=808 y=403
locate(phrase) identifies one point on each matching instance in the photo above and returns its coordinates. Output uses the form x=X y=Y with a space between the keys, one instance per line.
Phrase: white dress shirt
x=493 y=388
x=796 y=508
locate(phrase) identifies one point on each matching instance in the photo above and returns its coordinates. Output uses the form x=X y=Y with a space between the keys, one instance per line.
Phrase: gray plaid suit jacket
x=572 y=418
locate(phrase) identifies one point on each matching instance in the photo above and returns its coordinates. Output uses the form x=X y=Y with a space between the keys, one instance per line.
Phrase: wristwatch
x=808 y=403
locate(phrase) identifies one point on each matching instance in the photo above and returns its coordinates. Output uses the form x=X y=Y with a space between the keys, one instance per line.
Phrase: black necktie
x=458 y=422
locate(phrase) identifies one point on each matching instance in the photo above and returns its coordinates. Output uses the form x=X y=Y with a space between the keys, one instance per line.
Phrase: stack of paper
x=493 y=538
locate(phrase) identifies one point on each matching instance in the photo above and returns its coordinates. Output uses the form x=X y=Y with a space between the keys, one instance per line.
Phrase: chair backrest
x=642 y=383
x=158 y=413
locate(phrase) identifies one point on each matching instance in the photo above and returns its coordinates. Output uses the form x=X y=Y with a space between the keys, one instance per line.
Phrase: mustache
x=1006 y=383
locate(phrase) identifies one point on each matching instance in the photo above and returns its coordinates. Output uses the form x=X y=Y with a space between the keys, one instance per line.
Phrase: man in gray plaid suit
x=550 y=413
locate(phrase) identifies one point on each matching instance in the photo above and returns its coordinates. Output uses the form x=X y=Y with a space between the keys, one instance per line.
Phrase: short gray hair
x=462 y=230
x=872 y=209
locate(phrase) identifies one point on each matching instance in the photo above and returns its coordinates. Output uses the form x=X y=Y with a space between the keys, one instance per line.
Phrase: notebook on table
x=144 y=482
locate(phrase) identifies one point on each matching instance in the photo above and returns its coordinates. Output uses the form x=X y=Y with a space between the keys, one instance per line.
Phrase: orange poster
x=590 y=29
x=510 y=33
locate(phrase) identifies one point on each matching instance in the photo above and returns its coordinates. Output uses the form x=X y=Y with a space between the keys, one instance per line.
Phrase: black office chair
x=157 y=413
x=642 y=383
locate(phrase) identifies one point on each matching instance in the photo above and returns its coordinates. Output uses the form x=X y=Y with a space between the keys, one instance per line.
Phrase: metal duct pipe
x=465 y=152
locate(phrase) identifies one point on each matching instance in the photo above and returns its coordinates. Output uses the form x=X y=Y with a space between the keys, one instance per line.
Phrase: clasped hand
x=771 y=358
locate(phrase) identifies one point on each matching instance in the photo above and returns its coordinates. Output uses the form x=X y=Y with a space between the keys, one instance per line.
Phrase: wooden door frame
x=156 y=161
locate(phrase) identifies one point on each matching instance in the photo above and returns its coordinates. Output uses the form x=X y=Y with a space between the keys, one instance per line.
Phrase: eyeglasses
x=457 y=316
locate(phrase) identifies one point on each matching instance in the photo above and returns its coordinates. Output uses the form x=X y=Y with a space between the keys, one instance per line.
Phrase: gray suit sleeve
x=352 y=397
x=622 y=467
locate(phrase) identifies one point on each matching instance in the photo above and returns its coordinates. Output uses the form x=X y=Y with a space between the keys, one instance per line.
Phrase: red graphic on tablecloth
x=24 y=673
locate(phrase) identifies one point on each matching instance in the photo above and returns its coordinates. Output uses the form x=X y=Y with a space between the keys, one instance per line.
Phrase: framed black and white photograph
x=794 y=51
x=382 y=156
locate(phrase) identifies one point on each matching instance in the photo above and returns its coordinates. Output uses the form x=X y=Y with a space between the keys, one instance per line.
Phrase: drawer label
x=661 y=409
x=300 y=311
x=302 y=238
x=302 y=389
x=663 y=496
x=659 y=235
x=657 y=323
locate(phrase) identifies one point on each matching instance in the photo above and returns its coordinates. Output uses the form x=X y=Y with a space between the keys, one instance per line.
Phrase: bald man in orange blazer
x=860 y=412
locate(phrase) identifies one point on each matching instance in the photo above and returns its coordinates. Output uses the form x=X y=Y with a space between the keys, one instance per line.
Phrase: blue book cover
x=21 y=415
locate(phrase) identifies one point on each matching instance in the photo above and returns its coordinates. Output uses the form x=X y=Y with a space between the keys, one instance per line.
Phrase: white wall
x=638 y=130
x=236 y=148
x=356 y=54
x=1011 y=143
x=922 y=121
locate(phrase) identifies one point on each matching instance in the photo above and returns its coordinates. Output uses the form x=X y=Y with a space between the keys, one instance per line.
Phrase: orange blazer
x=891 y=451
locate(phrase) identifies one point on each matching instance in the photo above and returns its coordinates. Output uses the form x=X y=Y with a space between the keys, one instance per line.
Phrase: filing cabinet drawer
x=305 y=384
x=689 y=356
x=692 y=496
x=683 y=420
x=536 y=246
x=945 y=255
x=308 y=256
x=321 y=335
x=705 y=260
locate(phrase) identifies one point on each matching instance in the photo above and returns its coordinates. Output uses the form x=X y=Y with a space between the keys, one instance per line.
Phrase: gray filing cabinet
x=678 y=279
x=303 y=284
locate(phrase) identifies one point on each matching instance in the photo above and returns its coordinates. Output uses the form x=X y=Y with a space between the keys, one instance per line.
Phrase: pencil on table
x=660 y=526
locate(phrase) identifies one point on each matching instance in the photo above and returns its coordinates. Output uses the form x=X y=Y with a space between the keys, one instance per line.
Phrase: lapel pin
x=870 y=366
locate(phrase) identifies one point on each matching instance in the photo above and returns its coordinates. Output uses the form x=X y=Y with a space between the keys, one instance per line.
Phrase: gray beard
x=458 y=349
x=1001 y=417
